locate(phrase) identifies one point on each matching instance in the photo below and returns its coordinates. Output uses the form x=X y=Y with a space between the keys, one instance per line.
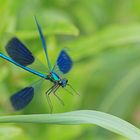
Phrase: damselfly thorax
x=55 y=78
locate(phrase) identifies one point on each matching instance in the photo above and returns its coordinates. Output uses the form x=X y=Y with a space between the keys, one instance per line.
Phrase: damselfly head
x=63 y=82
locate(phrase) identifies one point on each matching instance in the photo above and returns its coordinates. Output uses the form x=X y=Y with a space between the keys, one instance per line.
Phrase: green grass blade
x=59 y=29
x=111 y=36
x=101 y=119
x=12 y=131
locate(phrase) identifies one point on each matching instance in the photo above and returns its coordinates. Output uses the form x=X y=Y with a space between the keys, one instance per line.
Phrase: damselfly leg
x=73 y=89
x=48 y=92
x=54 y=92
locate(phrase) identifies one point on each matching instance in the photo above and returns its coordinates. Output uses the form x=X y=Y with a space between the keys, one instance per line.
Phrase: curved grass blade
x=101 y=119
x=52 y=29
x=111 y=36
x=12 y=131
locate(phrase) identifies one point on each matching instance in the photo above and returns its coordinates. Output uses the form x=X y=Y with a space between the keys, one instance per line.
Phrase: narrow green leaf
x=122 y=87
x=101 y=119
x=57 y=29
x=111 y=36
x=9 y=132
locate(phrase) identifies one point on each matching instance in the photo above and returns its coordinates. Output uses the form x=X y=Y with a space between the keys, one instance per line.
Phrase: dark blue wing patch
x=22 y=98
x=18 y=52
x=64 y=62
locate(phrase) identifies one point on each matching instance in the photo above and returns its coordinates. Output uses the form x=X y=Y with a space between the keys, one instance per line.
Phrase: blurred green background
x=103 y=39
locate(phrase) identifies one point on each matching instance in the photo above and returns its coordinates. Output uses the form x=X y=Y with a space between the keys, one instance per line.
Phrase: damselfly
x=22 y=57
